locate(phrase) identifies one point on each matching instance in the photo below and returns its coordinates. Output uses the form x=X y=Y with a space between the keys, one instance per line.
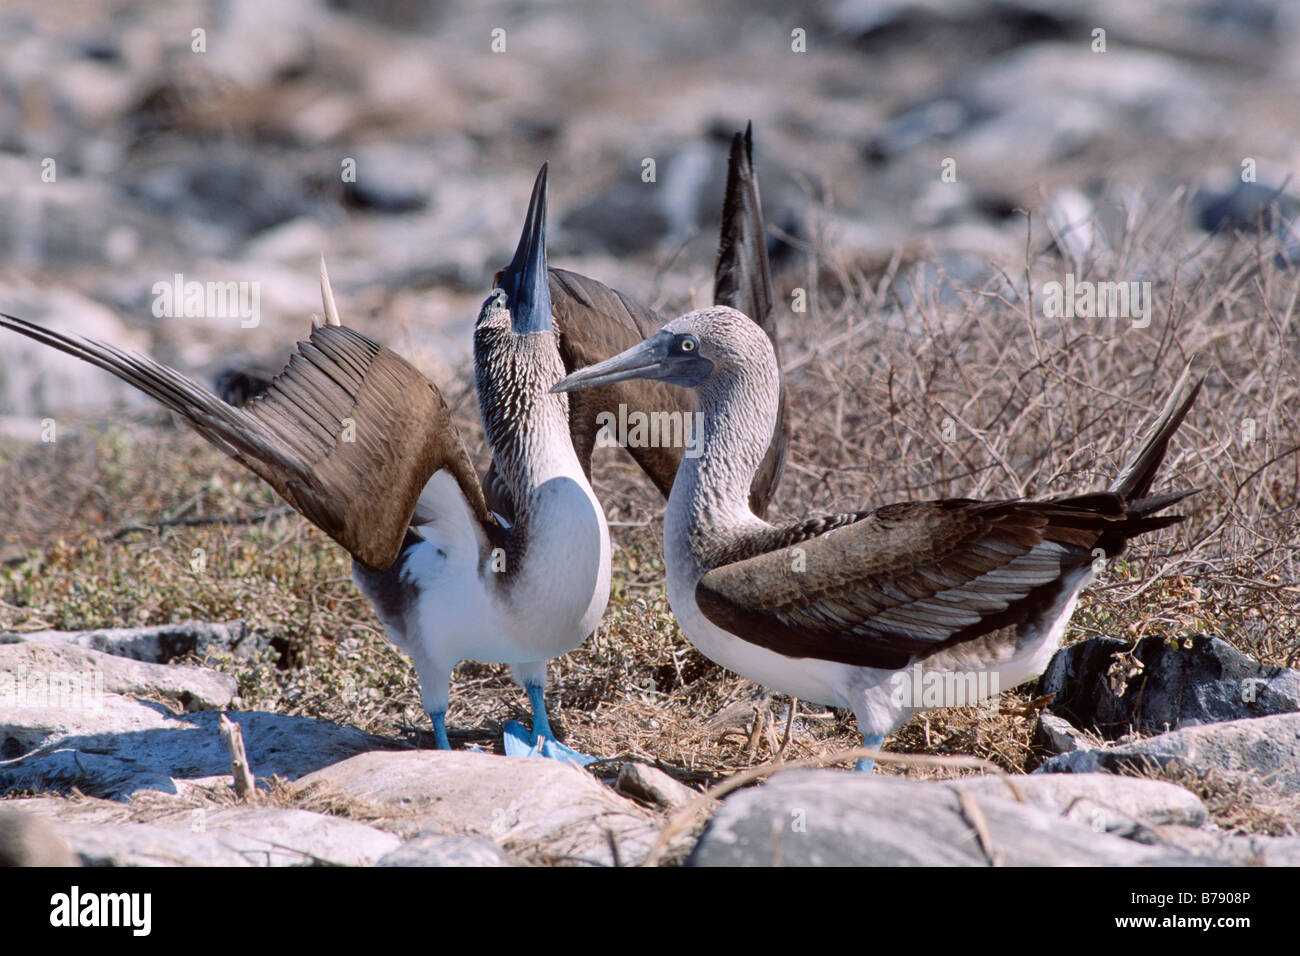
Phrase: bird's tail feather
x=1135 y=480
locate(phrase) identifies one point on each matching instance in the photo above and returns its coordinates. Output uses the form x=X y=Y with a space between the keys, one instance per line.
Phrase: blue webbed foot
x=540 y=742
x=866 y=764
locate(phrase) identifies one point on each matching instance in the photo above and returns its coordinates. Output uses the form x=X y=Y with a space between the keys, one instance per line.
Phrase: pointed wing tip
x=327 y=295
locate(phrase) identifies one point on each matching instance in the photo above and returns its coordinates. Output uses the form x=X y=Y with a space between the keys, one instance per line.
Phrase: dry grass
x=1039 y=406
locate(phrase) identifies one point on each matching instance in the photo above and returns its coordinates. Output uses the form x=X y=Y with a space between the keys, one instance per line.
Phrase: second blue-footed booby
x=830 y=609
x=362 y=445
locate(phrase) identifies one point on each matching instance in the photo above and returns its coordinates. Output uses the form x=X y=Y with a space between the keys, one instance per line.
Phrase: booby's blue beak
x=524 y=281
x=665 y=357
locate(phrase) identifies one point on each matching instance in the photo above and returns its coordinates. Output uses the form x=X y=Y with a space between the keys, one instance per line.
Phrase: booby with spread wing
x=594 y=321
x=832 y=608
x=363 y=445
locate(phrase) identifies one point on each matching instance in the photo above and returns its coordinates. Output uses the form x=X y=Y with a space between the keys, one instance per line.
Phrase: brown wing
x=743 y=281
x=595 y=322
x=876 y=589
x=348 y=433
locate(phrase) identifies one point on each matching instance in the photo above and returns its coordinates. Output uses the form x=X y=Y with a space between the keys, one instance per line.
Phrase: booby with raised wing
x=830 y=609
x=594 y=321
x=363 y=445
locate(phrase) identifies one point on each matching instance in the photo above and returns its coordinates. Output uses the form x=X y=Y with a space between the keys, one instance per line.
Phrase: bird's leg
x=439 y=719
x=873 y=741
x=537 y=697
x=540 y=741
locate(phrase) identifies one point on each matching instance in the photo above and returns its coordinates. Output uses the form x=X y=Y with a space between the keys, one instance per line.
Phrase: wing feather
x=348 y=433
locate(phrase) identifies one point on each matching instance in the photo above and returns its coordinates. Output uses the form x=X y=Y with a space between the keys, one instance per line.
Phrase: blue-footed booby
x=830 y=609
x=362 y=445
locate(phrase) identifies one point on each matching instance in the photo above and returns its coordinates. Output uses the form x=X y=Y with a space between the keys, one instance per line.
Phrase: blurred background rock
x=228 y=164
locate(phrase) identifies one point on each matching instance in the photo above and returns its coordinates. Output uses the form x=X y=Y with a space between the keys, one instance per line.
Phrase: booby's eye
x=687 y=343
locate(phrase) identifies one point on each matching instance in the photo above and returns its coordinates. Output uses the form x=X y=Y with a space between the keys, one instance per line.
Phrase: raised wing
x=874 y=589
x=348 y=433
x=594 y=322
x=742 y=279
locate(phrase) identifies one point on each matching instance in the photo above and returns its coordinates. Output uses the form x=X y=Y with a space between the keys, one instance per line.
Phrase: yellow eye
x=688 y=345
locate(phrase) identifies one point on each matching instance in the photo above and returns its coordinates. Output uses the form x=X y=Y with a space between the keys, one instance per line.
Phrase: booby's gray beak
x=655 y=358
x=524 y=281
x=650 y=359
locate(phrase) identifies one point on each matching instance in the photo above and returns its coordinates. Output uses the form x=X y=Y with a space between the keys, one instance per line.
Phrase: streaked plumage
x=831 y=608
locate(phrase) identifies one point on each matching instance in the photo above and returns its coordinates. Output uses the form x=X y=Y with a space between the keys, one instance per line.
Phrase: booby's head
x=522 y=287
x=695 y=350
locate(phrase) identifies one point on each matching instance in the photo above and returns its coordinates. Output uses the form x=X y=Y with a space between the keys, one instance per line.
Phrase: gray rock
x=653 y=786
x=1193 y=680
x=1076 y=97
x=832 y=818
x=123 y=745
x=392 y=178
x=1233 y=849
x=446 y=849
x=1056 y=735
x=61 y=676
x=29 y=840
x=160 y=644
x=542 y=810
x=237 y=836
x=1263 y=747
x=1099 y=800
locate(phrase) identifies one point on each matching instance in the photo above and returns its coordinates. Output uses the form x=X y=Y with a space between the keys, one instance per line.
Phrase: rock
x=36 y=379
x=392 y=179
x=60 y=675
x=1077 y=97
x=1056 y=735
x=1231 y=849
x=1264 y=747
x=28 y=840
x=1099 y=800
x=237 y=836
x=160 y=644
x=541 y=810
x=1193 y=680
x=125 y=745
x=833 y=818
x=444 y=849
x=224 y=195
x=624 y=219
x=652 y=785
x=1246 y=207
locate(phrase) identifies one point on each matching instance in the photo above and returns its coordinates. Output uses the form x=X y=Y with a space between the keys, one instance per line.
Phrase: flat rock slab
x=237 y=836
x=61 y=676
x=1264 y=747
x=540 y=810
x=1233 y=849
x=128 y=745
x=159 y=644
x=449 y=849
x=1098 y=800
x=1182 y=683
x=834 y=818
